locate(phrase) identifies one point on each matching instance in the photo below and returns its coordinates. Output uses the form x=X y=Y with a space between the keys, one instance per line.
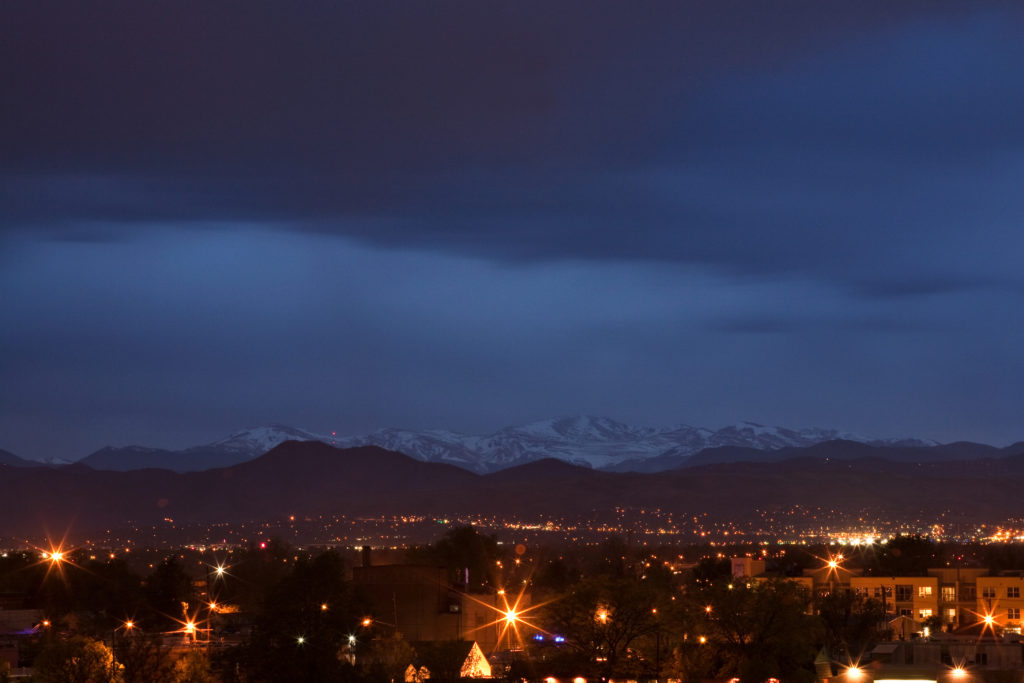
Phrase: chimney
x=366 y=556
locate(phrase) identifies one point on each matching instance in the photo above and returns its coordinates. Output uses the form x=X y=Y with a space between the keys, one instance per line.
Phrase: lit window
x=924 y=591
x=925 y=614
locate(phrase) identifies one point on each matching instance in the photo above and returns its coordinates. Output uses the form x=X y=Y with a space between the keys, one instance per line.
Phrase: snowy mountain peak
x=259 y=440
x=579 y=428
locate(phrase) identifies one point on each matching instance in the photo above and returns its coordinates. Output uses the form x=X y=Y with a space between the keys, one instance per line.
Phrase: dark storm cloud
x=793 y=138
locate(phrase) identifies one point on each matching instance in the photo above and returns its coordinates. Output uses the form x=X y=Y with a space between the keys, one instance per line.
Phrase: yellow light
x=510 y=616
x=300 y=640
x=56 y=556
x=989 y=619
x=832 y=564
x=854 y=672
x=129 y=625
x=959 y=672
x=702 y=639
x=602 y=616
x=367 y=621
x=323 y=607
x=707 y=609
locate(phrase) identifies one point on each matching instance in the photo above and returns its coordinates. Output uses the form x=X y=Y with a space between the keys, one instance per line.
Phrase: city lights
x=512 y=617
x=55 y=557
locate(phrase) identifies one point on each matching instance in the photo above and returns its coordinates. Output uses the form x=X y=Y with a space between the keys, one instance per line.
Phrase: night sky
x=351 y=215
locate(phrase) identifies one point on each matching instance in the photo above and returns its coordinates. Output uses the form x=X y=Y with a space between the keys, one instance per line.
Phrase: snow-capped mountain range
x=595 y=442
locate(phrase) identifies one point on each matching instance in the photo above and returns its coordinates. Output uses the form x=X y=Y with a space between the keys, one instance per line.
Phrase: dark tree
x=303 y=629
x=757 y=631
x=76 y=660
x=462 y=549
x=851 y=623
x=905 y=556
x=603 y=619
x=169 y=594
x=143 y=657
x=386 y=658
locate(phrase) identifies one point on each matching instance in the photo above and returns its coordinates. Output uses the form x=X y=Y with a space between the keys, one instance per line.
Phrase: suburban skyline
x=465 y=216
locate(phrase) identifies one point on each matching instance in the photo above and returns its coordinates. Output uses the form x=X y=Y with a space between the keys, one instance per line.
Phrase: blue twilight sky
x=466 y=215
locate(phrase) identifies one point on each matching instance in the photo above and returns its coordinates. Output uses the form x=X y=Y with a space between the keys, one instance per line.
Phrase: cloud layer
x=353 y=215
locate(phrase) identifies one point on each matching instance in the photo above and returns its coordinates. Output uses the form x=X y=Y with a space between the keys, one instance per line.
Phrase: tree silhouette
x=76 y=660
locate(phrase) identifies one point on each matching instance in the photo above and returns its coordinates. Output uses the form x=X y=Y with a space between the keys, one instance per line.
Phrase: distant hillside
x=7 y=458
x=838 y=449
x=313 y=478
